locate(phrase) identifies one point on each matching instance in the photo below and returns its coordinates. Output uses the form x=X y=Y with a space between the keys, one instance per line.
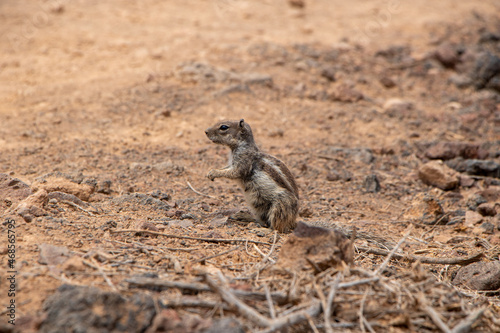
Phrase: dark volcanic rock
x=449 y=150
x=487 y=67
x=479 y=276
x=476 y=167
x=371 y=184
x=89 y=309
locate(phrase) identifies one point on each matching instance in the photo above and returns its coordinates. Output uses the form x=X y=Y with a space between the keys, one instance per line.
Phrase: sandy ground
x=121 y=92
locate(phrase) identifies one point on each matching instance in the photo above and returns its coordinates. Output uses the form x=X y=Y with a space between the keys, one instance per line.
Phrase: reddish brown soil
x=110 y=91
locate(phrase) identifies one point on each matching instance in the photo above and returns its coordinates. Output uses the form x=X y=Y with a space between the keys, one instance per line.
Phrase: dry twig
x=426 y=260
x=393 y=251
x=226 y=294
x=210 y=240
x=218 y=254
x=72 y=204
x=272 y=312
x=362 y=320
x=436 y=318
x=466 y=325
x=161 y=284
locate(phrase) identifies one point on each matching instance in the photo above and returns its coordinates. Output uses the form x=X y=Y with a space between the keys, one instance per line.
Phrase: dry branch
x=294 y=318
x=210 y=240
x=466 y=325
x=391 y=254
x=425 y=260
x=152 y=283
x=436 y=318
x=226 y=294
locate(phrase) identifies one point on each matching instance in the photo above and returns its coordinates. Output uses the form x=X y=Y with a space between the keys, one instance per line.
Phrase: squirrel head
x=231 y=133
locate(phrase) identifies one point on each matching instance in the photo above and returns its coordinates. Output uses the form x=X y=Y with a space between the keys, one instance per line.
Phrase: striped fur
x=269 y=187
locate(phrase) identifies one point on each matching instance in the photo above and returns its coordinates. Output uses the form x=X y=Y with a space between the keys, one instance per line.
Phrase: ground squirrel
x=270 y=188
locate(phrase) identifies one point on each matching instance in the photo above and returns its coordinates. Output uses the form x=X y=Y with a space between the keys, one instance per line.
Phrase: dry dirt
x=115 y=95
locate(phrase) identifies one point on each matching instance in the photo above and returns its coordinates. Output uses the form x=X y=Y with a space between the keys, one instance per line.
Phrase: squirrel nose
x=206 y=132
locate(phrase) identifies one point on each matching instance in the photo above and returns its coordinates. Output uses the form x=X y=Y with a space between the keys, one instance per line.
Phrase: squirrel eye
x=223 y=127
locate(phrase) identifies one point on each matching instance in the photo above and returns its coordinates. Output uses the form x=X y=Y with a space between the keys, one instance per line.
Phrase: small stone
x=488 y=228
x=487 y=66
x=73 y=264
x=256 y=78
x=52 y=255
x=89 y=309
x=472 y=218
x=447 y=55
x=168 y=168
x=387 y=82
x=145 y=225
x=297 y=3
x=219 y=221
x=306 y=212
x=33 y=206
x=436 y=173
x=479 y=276
x=474 y=201
x=364 y=155
x=449 y=150
x=278 y=132
x=104 y=186
x=333 y=176
x=487 y=209
x=329 y=73
x=346 y=94
x=491 y=194
x=371 y=184
x=460 y=80
x=426 y=209
x=466 y=181
x=396 y=107
x=486 y=168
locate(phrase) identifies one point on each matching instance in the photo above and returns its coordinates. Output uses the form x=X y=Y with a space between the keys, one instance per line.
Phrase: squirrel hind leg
x=283 y=216
x=263 y=220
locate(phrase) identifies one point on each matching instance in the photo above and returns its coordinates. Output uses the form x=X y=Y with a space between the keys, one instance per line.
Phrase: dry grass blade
x=197 y=192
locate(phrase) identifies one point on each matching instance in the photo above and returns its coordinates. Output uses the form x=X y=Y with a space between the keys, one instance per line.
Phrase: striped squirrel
x=269 y=187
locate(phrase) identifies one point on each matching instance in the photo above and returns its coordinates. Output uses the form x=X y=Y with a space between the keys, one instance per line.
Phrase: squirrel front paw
x=211 y=175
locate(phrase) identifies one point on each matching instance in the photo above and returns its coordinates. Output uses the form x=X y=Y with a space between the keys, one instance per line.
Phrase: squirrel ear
x=241 y=122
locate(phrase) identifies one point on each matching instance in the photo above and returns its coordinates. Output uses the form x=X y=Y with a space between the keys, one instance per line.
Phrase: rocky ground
x=387 y=113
